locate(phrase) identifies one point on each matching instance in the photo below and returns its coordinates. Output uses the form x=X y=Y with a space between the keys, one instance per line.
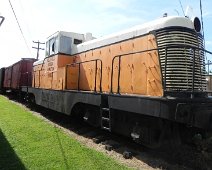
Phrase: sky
x=41 y=18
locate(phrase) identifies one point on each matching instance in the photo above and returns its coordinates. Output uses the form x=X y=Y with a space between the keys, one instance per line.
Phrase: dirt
x=182 y=157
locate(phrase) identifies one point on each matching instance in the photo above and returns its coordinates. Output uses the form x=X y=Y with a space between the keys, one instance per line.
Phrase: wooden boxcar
x=1 y=79
x=18 y=74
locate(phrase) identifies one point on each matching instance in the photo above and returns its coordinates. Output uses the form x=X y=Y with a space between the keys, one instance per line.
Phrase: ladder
x=105 y=113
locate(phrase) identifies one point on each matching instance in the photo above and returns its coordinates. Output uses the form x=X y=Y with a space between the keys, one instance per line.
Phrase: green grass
x=28 y=142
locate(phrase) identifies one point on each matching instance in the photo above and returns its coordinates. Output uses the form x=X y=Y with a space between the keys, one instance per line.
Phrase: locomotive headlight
x=197 y=24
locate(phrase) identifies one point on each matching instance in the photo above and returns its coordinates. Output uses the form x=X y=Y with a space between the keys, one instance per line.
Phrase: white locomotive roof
x=67 y=34
x=38 y=62
x=134 y=32
x=129 y=33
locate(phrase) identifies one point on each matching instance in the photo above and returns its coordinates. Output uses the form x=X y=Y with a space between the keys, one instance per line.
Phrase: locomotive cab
x=50 y=73
x=63 y=43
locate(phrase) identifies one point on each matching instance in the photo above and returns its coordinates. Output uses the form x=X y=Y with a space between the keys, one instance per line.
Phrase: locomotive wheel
x=155 y=137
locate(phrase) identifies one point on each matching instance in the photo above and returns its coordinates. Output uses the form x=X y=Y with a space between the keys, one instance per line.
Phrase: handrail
x=28 y=77
x=119 y=56
x=34 y=75
x=164 y=81
x=193 y=70
x=156 y=49
x=79 y=63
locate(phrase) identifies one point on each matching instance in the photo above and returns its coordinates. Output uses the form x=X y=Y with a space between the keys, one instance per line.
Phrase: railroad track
x=134 y=155
x=125 y=150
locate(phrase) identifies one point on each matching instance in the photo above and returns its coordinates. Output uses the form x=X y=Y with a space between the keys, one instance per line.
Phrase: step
x=106 y=109
x=105 y=118
x=85 y=118
x=105 y=128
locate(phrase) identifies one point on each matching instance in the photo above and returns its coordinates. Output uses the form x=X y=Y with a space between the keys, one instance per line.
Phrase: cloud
x=207 y=15
x=39 y=19
x=107 y=4
x=208 y=43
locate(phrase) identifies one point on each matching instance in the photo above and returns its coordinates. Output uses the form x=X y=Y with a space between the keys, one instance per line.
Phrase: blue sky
x=41 y=18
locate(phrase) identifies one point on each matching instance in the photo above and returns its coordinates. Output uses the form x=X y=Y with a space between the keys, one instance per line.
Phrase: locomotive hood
x=171 y=21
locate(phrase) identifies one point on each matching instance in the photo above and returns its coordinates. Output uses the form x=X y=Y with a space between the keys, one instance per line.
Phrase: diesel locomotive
x=147 y=82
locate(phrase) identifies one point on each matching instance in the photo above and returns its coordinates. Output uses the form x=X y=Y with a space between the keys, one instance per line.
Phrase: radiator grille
x=178 y=70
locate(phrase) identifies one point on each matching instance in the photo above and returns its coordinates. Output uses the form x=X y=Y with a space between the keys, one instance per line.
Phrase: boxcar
x=18 y=74
x=2 y=70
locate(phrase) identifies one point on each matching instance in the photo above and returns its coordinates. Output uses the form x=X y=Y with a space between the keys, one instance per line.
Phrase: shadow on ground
x=8 y=157
x=182 y=157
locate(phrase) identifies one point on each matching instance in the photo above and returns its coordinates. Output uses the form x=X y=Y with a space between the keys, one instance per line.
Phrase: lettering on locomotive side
x=51 y=59
x=50 y=64
x=50 y=69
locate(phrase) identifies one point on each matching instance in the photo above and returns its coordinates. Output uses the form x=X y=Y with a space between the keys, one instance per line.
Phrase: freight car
x=147 y=82
x=12 y=78
x=2 y=70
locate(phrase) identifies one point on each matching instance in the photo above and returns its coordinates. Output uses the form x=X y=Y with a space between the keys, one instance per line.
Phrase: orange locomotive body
x=140 y=73
x=146 y=82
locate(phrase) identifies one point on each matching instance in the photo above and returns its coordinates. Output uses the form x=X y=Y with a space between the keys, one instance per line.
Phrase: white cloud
x=39 y=19
x=105 y=4
x=207 y=14
x=208 y=43
x=12 y=44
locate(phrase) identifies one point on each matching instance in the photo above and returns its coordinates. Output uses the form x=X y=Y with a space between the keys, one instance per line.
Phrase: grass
x=28 y=142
